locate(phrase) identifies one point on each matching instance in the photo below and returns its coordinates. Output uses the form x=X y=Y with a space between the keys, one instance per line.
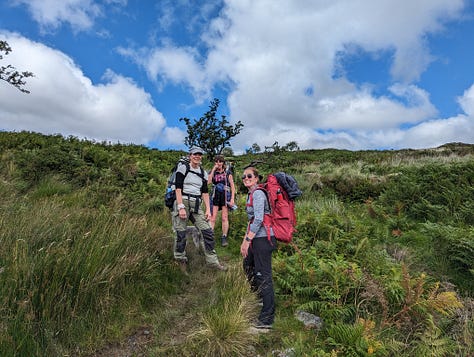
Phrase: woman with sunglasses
x=223 y=183
x=191 y=190
x=257 y=248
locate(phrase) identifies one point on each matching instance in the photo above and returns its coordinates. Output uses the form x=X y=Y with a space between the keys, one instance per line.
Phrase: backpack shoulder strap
x=267 y=217
x=188 y=169
x=260 y=188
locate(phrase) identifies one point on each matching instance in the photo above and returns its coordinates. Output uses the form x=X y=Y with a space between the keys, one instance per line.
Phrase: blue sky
x=347 y=74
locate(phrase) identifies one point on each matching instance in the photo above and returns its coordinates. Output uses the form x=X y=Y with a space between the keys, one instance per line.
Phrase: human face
x=249 y=179
x=196 y=158
x=218 y=164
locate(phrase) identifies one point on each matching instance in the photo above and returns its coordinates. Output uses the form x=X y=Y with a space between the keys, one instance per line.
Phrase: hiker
x=223 y=182
x=191 y=190
x=257 y=248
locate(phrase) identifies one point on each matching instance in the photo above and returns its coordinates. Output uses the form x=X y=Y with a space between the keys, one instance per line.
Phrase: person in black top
x=223 y=194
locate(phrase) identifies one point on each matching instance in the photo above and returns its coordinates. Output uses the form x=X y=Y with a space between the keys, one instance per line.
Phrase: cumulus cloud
x=467 y=101
x=279 y=60
x=177 y=65
x=63 y=100
x=281 y=63
x=51 y=14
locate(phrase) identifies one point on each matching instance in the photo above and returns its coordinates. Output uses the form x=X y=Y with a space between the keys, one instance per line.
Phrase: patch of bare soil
x=135 y=345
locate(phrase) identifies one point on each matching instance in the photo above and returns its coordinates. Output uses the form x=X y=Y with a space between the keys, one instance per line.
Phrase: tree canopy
x=9 y=73
x=209 y=132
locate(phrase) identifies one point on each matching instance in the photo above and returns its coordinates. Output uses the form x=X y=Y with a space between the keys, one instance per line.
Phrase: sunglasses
x=249 y=176
x=197 y=154
x=219 y=161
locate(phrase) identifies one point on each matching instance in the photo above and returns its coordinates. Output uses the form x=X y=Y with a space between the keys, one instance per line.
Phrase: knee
x=180 y=241
x=208 y=234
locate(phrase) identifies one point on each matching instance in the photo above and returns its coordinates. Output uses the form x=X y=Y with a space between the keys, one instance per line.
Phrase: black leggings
x=258 y=268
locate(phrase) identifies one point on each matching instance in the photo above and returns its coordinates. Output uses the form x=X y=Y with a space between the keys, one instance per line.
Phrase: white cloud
x=173 y=135
x=63 y=100
x=81 y=15
x=437 y=132
x=467 y=101
x=176 y=65
x=51 y=14
x=281 y=59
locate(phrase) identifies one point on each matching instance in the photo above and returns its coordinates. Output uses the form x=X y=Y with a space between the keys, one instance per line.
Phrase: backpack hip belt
x=195 y=198
x=191 y=197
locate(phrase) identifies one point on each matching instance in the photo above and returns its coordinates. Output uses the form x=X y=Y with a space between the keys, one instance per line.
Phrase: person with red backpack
x=257 y=248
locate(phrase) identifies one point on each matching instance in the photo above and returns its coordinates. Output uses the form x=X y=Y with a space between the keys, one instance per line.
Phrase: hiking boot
x=217 y=266
x=261 y=326
x=224 y=242
x=255 y=331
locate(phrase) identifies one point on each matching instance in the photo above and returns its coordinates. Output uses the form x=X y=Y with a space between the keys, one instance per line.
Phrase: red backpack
x=282 y=217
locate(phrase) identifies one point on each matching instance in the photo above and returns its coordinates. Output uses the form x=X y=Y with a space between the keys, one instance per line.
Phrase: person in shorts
x=223 y=195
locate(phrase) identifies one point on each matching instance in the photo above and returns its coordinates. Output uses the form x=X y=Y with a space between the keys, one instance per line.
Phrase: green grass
x=384 y=245
x=66 y=272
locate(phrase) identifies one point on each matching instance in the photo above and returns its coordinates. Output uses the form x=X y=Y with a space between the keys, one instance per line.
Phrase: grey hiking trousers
x=196 y=216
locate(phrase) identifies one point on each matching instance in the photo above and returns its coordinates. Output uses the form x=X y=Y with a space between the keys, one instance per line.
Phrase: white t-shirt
x=192 y=181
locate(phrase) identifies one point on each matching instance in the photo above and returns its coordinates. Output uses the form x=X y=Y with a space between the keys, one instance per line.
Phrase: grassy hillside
x=385 y=239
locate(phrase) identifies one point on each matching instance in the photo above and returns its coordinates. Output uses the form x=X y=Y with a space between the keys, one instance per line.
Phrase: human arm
x=207 y=203
x=232 y=189
x=205 y=197
x=211 y=174
x=179 y=194
x=258 y=204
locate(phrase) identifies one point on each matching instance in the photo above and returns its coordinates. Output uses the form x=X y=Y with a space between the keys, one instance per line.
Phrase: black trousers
x=258 y=268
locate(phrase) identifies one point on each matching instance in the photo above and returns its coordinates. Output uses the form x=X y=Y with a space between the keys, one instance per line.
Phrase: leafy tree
x=291 y=146
x=275 y=148
x=227 y=151
x=210 y=133
x=254 y=149
x=9 y=73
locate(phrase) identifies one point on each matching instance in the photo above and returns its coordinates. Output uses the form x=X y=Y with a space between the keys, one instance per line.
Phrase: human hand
x=182 y=213
x=244 y=248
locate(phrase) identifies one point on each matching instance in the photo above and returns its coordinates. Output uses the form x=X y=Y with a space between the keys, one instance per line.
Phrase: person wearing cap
x=191 y=190
x=223 y=195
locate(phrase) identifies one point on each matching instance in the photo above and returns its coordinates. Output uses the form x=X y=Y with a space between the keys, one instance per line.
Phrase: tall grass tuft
x=64 y=272
x=224 y=329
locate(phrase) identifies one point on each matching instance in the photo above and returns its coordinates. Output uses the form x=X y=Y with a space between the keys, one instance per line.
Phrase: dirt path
x=178 y=318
